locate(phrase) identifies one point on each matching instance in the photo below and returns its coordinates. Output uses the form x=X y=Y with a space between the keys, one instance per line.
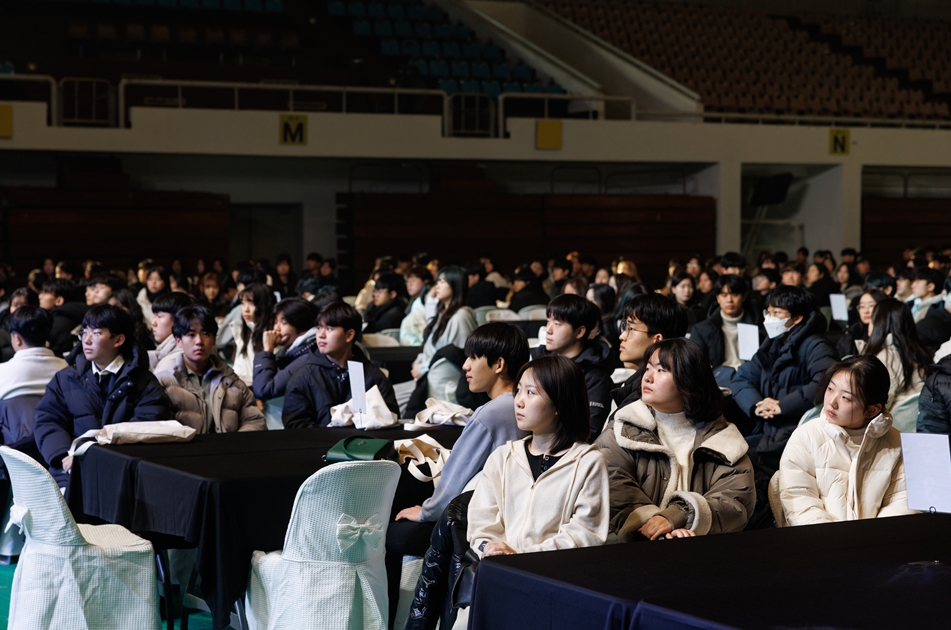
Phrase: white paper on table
x=840 y=307
x=358 y=386
x=927 y=471
x=749 y=340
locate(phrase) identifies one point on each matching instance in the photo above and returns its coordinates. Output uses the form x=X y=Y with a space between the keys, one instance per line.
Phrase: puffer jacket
x=233 y=405
x=597 y=364
x=787 y=368
x=66 y=318
x=935 y=328
x=272 y=373
x=74 y=403
x=320 y=384
x=643 y=473
x=934 y=405
x=819 y=482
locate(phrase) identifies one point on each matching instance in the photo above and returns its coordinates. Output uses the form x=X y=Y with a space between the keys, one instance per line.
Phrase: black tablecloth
x=862 y=574
x=228 y=495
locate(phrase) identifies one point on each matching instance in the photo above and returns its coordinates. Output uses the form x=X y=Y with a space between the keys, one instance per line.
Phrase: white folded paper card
x=358 y=387
x=840 y=307
x=927 y=471
x=749 y=340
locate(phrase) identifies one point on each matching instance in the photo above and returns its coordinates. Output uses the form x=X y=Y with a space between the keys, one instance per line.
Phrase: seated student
x=59 y=298
x=495 y=353
x=793 y=274
x=205 y=394
x=677 y=467
x=388 y=305
x=209 y=293
x=554 y=464
x=157 y=282
x=718 y=335
x=893 y=339
x=418 y=284
x=451 y=326
x=527 y=290
x=242 y=277
x=858 y=332
x=481 y=291
x=107 y=381
x=934 y=329
x=925 y=290
x=24 y=296
x=324 y=380
x=604 y=297
x=560 y=272
x=286 y=347
x=778 y=386
x=99 y=288
x=903 y=279
x=571 y=320
x=164 y=309
x=820 y=283
x=847 y=464
x=23 y=379
x=125 y=299
x=257 y=304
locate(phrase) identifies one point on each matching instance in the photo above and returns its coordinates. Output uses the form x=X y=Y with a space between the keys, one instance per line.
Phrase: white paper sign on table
x=358 y=387
x=749 y=340
x=840 y=307
x=927 y=471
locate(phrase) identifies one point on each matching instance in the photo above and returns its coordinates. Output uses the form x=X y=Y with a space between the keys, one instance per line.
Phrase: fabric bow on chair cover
x=350 y=531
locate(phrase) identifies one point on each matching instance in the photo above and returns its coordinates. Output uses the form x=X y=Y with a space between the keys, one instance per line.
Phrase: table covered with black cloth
x=226 y=494
x=882 y=573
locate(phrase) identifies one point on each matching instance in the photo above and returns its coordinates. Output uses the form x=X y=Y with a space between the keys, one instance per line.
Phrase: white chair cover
x=378 y=340
x=482 y=313
x=810 y=415
x=502 y=315
x=81 y=577
x=330 y=574
x=533 y=313
x=392 y=332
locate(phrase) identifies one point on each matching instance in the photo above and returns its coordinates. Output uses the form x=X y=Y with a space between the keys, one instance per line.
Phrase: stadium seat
x=382 y=28
x=389 y=48
x=431 y=48
x=480 y=70
x=449 y=86
x=443 y=31
x=469 y=87
x=471 y=50
x=410 y=48
x=422 y=30
x=501 y=70
x=403 y=29
x=492 y=88
x=460 y=69
x=336 y=9
x=450 y=50
x=395 y=12
x=356 y=10
x=376 y=11
x=362 y=27
x=438 y=68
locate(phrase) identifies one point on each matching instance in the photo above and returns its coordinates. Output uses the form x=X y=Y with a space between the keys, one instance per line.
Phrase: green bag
x=358 y=448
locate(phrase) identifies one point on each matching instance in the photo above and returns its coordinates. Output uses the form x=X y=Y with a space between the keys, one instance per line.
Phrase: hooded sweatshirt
x=597 y=364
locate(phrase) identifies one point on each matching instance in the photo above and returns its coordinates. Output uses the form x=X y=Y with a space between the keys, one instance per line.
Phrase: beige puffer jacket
x=819 y=482
x=233 y=404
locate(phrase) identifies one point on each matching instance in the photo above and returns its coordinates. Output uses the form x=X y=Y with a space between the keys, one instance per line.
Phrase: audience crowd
x=634 y=415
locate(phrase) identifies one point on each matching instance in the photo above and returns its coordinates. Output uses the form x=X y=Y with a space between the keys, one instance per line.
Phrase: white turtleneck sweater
x=731 y=341
x=678 y=433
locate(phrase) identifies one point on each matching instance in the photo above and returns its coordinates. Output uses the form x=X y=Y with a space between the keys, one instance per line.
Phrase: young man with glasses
x=107 y=381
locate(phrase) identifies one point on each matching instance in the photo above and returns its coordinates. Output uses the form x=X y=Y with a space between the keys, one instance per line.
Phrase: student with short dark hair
x=926 y=289
x=481 y=291
x=779 y=384
x=324 y=380
x=677 y=467
x=59 y=298
x=571 y=321
x=107 y=381
x=527 y=290
x=100 y=287
x=157 y=282
x=23 y=379
x=205 y=393
x=386 y=311
x=286 y=347
x=718 y=335
x=164 y=309
x=560 y=272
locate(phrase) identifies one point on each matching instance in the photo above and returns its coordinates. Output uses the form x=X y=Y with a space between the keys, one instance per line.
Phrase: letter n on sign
x=293 y=129
x=839 y=142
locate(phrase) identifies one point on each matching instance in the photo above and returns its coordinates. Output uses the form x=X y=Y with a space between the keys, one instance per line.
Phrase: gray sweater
x=492 y=425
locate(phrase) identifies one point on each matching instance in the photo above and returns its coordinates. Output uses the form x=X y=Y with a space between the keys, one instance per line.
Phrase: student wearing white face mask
x=778 y=386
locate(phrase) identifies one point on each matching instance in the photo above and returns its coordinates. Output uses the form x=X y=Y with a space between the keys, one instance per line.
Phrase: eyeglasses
x=629 y=328
x=86 y=333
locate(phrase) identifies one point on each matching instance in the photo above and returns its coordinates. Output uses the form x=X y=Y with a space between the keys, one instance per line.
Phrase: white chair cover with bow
x=82 y=577
x=330 y=574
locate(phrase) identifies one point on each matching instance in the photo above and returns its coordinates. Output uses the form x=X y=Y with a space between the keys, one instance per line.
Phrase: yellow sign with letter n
x=839 y=141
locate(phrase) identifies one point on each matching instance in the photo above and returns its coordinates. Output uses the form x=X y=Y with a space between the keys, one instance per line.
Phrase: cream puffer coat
x=819 y=482
x=233 y=405
x=566 y=507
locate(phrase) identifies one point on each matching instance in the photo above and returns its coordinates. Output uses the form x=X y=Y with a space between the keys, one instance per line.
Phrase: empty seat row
x=256 y=6
x=480 y=70
x=187 y=35
x=432 y=48
x=421 y=30
x=495 y=88
x=377 y=11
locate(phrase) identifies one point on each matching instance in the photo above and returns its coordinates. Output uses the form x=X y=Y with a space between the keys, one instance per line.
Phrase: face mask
x=774 y=326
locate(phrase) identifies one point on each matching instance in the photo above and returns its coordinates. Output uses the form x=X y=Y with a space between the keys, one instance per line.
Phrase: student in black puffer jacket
x=295 y=333
x=934 y=405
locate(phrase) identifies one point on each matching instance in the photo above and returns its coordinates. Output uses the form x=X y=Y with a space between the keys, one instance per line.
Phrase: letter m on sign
x=293 y=129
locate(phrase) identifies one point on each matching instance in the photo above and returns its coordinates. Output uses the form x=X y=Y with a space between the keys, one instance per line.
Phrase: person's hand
x=767 y=408
x=497 y=549
x=414 y=372
x=682 y=533
x=410 y=514
x=68 y=463
x=656 y=527
x=271 y=339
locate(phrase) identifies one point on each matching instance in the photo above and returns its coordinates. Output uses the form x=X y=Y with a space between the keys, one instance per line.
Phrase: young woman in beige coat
x=549 y=490
x=847 y=464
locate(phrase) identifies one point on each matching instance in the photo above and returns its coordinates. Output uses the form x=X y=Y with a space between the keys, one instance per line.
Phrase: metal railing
x=594 y=107
x=53 y=99
x=471 y=115
x=87 y=102
x=792 y=119
x=339 y=98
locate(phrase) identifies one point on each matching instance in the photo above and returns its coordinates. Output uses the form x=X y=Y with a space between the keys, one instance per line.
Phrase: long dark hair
x=262 y=298
x=891 y=317
x=869 y=378
x=604 y=297
x=693 y=377
x=458 y=281
x=563 y=382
